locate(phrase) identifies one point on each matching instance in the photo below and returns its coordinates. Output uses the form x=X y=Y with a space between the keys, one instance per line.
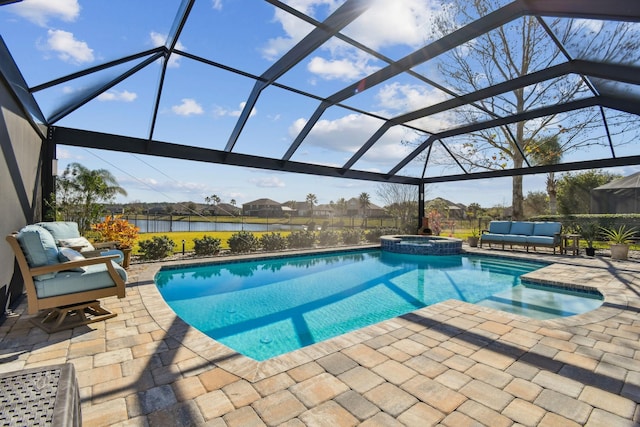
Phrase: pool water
x=269 y=307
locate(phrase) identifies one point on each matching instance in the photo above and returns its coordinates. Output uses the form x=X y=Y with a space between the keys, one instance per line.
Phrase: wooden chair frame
x=64 y=304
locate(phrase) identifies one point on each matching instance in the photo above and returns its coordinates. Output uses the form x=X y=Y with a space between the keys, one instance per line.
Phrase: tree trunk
x=517 y=198
x=552 y=192
x=517 y=203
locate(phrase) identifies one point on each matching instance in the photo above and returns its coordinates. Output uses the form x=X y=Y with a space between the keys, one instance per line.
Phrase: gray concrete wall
x=20 y=188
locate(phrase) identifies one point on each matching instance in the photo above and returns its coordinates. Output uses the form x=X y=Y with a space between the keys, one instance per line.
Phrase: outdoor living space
x=227 y=129
x=450 y=364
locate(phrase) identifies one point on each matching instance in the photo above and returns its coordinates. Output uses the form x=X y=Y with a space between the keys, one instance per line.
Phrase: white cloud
x=347 y=134
x=41 y=11
x=114 y=95
x=267 y=182
x=343 y=69
x=188 y=107
x=219 y=111
x=68 y=48
x=181 y=188
x=590 y=25
x=295 y=29
x=400 y=98
x=398 y=22
x=159 y=39
x=216 y=4
x=407 y=97
x=63 y=153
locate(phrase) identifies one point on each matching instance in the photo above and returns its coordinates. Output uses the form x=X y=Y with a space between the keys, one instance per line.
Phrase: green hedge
x=571 y=223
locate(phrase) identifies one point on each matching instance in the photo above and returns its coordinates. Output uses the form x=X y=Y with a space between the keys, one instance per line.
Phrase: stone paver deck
x=451 y=364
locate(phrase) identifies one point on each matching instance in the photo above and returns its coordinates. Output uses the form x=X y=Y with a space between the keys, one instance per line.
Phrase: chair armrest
x=484 y=231
x=103 y=245
x=68 y=265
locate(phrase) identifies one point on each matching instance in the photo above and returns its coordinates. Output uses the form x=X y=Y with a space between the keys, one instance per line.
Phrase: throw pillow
x=68 y=254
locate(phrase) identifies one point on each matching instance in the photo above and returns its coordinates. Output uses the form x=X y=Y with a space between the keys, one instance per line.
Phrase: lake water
x=164 y=226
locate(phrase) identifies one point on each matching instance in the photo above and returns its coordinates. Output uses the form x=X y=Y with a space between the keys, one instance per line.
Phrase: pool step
x=541 y=303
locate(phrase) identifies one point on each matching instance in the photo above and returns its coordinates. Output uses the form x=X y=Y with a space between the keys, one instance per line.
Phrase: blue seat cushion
x=499 y=227
x=39 y=248
x=546 y=228
x=541 y=240
x=491 y=237
x=114 y=252
x=69 y=282
x=521 y=227
x=515 y=238
x=61 y=229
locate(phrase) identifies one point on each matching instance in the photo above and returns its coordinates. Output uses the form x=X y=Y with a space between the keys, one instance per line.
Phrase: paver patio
x=451 y=364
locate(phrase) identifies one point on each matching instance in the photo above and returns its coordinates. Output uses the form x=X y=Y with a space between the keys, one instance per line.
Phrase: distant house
x=373 y=211
x=453 y=210
x=226 y=209
x=301 y=208
x=619 y=196
x=324 y=211
x=263 y=208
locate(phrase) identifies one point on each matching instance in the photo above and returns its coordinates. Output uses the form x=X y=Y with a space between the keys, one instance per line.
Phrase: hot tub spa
x=421 y=245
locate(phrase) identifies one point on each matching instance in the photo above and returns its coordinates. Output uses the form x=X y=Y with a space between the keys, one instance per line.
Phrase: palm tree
x=80 y=193
x=365 y=204
x=311 y=201
x=341 y=205
x=213 y=199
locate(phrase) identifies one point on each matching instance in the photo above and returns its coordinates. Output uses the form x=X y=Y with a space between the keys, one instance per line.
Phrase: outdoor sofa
x=524 y=233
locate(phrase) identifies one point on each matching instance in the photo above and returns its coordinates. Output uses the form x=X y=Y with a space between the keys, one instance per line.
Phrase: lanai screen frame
x=613 y=10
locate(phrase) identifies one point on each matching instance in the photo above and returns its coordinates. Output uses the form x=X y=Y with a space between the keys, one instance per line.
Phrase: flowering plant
x=435 y=221
x=116 y=229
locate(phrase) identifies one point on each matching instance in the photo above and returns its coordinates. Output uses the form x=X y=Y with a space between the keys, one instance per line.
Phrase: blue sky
x=200 y=104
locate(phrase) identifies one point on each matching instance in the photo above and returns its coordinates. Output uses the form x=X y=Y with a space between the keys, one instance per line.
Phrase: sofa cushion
x=61 y=229
x=491 y=237
x=546 y=228
x=39 y=248
x=522 y=227
x=499 y=227
x=68 y=282
x=77 y=242
x=542 y=240
x=515 y=238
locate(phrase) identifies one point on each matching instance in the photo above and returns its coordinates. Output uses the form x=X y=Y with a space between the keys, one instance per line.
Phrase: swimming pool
x=269 y=307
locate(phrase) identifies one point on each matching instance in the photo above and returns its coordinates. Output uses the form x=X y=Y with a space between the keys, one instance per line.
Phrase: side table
x=44 y=396
x=571 y=243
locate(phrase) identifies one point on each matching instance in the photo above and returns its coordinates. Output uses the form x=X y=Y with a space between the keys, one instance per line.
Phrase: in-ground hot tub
x=421 y=245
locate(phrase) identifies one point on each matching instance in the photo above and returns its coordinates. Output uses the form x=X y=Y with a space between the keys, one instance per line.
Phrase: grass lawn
x=188 y=236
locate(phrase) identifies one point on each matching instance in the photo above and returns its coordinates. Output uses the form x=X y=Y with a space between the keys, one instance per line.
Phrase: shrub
x=301 y=239
x=351 y=237
x=207 y=245
x=373 y=235
x=116 y=229
x=243 y=241
x=273 y=242
x=157 y=248
x=328 y=238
